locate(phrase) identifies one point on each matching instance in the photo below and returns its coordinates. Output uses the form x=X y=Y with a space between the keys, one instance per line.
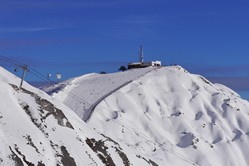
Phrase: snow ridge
x=203 y=121
x=83 y=93
x=169 y=114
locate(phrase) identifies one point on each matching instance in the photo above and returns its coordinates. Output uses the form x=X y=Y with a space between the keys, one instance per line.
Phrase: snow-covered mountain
x=85 y=92
x=167 y=114
x=37 y=130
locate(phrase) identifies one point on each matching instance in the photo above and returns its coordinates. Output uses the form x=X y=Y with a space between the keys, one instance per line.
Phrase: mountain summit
x=164 y=113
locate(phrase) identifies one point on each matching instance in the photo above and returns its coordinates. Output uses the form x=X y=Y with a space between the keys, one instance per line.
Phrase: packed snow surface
x=165 y=113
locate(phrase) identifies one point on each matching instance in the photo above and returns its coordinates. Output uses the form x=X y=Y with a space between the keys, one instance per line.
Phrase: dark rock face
x=148 y=161
x=47 y=106
x=101 y=150
x=15 y=158
x=46 y=109
x=18 y=161
x=65 y=158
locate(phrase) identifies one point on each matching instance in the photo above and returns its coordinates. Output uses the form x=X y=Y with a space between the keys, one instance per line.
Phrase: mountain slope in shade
x=38 y=130
x=170 y=112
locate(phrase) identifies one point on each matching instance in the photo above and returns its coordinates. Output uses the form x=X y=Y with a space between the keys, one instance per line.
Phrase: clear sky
x=207 y=37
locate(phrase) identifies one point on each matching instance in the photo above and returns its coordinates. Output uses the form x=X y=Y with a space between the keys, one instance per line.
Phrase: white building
x=143 y=64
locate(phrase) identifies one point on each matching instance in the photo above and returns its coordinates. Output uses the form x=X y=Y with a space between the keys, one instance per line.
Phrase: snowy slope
x=172 y=116
x=83 y=93
x=38 y=130
x=205 y=122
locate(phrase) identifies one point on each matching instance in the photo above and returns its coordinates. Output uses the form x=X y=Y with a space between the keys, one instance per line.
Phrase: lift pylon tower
x=24 y=68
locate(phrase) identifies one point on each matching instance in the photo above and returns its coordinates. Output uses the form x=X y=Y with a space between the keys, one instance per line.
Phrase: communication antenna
x=141 y=56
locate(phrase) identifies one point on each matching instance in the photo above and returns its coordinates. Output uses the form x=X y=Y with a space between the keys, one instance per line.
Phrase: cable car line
x=44 y=78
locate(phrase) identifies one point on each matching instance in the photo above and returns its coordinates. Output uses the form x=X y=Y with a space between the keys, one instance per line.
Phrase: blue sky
x=207 y=37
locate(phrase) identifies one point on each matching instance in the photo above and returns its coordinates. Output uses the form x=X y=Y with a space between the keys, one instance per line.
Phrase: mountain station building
x=141 y=63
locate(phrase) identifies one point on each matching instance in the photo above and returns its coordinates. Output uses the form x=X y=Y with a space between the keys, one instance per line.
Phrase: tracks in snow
x=91 y=109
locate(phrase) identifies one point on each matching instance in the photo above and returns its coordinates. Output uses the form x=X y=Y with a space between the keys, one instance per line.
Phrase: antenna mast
x=141 y=56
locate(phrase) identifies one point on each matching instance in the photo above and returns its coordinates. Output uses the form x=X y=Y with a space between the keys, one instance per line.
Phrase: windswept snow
x=168 y=114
